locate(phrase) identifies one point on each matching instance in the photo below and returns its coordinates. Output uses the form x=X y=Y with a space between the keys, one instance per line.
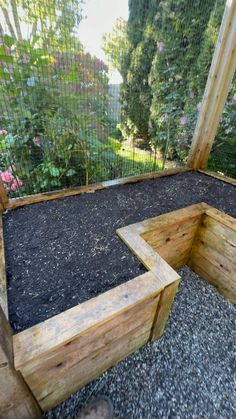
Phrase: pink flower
x=8 y=51
x=199 y=105
x=160 y=46
x=3 y=132
x=16 y=184
x=183 y=120
x=7 y=177
x=191 y=95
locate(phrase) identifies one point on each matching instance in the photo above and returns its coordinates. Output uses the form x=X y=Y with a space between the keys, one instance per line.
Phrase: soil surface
x=63 y=252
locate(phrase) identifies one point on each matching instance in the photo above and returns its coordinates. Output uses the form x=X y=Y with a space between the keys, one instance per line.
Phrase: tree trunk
x=16 y=19
x=8 y=22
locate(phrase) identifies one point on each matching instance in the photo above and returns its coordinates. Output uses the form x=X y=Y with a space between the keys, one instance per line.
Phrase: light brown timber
x=216 y=91
x=47 y=196
x=165 y=303
x=3 y=282
x=3 y=196
x=218 y=176
x=16 y=400
x=62 y=354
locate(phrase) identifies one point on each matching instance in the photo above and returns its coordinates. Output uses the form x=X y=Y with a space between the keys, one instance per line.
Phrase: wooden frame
x=62 y=354
x=219 y=80
x=198 y=236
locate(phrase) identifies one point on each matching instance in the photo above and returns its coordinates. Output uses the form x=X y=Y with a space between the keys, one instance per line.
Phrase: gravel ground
x=63 y=252
x=60 y=253
x=189 y=373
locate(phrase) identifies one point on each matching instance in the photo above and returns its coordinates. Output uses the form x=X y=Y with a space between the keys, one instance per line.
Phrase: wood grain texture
x=47 y=196
x=216 y=91
x=218 y=176
x=66 y=352
x=3 y=281
x=3 y=196
x=165 y=303
x=16 y=400
x=213 y=254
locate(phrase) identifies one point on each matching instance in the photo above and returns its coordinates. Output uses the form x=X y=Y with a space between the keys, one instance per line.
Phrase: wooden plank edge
x=3 y=196
x=62 y=193
x=44 y=337
x=218 y=176
x=3 y=280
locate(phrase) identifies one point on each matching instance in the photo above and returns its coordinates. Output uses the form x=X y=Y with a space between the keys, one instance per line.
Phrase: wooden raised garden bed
x=64 y=353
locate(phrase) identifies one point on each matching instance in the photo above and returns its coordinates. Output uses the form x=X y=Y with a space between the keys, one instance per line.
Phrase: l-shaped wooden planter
x=62 y=354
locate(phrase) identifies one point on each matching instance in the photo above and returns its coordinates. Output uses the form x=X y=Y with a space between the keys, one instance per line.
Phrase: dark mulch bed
x=63 y=252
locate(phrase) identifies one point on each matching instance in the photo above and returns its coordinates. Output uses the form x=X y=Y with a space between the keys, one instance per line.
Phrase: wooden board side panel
x=175 y=242
x=213 y=255
x=164 y=307
x=3 y=282
x=53 y=377
x=16 y=400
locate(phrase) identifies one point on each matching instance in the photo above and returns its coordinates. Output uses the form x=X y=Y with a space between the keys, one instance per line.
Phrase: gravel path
x=189 y=373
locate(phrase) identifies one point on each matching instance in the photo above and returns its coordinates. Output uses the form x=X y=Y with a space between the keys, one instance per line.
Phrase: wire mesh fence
x=76 y=111
x=223 y=154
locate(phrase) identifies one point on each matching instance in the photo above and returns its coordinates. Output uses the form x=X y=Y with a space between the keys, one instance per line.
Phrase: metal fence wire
x=83 y=102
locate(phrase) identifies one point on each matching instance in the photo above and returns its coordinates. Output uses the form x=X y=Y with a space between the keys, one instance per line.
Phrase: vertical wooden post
x=216 y=91
x=16 y=400
x=3 y=196
x=163 y=310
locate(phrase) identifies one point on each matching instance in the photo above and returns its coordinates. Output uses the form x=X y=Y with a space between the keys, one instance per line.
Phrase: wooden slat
x=47 y=196
x=218 y=84
x=164 y=307
x=150 y=259
x=3 y=282
x=3 y=195
x=213 y=253
x=44 y=337
x=16 y=400
x=56 y=375
x=218 y=236
x=218 y=176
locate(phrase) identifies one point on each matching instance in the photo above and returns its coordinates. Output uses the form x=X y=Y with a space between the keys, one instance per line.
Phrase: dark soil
x=63 y=252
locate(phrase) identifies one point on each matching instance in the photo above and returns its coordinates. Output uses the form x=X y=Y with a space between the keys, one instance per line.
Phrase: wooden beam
x=3 y=282
x=62 y=193
x=3 y=196
x=218 y=176
x=16 y=400
x=216 y=91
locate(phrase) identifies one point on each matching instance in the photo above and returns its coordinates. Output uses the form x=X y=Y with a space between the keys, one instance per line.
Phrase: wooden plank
x=217 y=87
x=214 y=268
x=163 y=310
x=148 y=256
x=212 y=275
x=174 y=245
x=62 y=193
x=223 y=218
x=218 y=237
x=3 y=281
x=3 y=195
x=16 y=400
x=218 y=176
x=56 y=375
x=44 y=337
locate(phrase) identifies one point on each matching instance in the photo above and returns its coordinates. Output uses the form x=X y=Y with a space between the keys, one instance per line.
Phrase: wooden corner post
x=3 y=196
x=217 y=88
x=16 y=400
